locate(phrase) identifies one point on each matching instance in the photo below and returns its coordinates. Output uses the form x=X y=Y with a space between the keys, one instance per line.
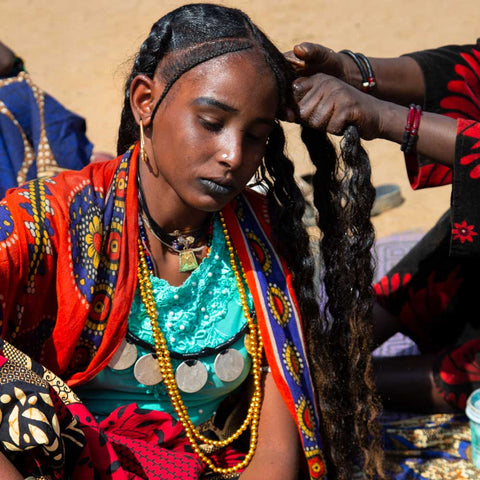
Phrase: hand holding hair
x=325 y=102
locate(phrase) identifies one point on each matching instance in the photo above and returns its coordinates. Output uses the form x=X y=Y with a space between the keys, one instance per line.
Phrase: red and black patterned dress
x=434 y=289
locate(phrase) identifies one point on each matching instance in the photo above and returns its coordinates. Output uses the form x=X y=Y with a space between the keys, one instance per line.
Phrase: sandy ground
x=80 y=51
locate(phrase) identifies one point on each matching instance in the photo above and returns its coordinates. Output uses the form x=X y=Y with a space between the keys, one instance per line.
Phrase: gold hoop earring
x=143 y=154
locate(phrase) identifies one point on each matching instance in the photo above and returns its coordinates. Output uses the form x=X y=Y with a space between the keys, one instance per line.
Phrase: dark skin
x=328 y=94
x=204 y=144
x=199 y=161
x=325 y=101
x=6 y=60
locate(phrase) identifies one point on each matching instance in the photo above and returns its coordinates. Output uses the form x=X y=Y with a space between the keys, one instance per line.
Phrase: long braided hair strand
x=343 y=196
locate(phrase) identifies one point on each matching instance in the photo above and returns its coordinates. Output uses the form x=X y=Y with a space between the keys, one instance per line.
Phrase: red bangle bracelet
x=411 y=129
x=408 y=126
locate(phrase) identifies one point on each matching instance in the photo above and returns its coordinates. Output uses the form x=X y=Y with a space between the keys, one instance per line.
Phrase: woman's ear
x=141 y=98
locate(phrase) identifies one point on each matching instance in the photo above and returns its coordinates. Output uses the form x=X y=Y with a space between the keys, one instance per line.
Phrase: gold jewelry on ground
x=165 y=364
x=143 y=154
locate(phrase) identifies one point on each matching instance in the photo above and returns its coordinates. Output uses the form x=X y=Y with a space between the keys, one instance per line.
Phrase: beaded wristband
x=410 y=135
x=372 y=82
x=360 y=66
x=365 y=67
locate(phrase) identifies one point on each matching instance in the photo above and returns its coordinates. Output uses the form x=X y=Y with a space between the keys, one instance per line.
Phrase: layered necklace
x=195 y=438
x=185 y=244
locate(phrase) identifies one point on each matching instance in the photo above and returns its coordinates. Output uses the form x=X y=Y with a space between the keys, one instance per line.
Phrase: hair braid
x=288 y=204
x=361 y=196
x=343 y=196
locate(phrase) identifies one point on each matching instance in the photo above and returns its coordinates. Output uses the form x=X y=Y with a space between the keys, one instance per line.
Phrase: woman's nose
x=232 y=156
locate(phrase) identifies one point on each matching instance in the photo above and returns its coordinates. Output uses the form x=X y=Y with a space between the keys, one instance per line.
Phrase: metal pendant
x=187 y=261
x=147 y=370
x=229 y=365
x=124 y=357
x=191 y=376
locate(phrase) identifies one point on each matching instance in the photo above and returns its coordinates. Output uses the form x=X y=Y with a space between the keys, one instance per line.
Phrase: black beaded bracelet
x=371 y=77
x=360 y=66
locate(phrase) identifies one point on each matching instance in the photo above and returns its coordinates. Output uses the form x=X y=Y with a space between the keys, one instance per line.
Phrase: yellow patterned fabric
x=430 y=447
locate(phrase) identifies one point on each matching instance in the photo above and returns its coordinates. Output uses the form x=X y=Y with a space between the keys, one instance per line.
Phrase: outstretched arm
x=325 y=102
x=277 y=454
x=398 y=80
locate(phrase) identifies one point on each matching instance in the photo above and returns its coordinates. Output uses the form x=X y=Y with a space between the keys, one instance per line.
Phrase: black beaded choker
x=184 y=244
x=175 y=240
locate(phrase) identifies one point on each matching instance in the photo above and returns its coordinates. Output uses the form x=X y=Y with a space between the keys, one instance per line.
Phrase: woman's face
x=210 y=131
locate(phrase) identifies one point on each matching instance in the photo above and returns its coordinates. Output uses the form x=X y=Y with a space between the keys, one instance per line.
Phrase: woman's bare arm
x=399 y=79
x=278 y=448
x=7 y=470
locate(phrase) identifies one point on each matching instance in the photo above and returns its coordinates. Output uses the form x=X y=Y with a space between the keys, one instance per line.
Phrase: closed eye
x=258 y=137
x=211 y=126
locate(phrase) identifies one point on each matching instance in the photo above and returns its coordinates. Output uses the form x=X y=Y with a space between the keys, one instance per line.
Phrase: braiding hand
x=324 y=102
x=310 y=58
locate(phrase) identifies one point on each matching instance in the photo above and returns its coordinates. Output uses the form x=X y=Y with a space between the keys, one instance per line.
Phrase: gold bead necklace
x=165 y=364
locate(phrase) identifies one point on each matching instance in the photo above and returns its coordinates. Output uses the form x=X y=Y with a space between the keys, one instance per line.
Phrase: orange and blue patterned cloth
x=69 y=260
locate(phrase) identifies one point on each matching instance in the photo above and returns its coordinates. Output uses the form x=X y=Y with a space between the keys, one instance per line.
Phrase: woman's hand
x=329 y=103
x=325 y=102
x=310 y=58
x=398 y=79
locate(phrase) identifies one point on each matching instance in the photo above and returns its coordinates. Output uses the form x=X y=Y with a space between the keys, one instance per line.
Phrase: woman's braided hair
x=338 y=334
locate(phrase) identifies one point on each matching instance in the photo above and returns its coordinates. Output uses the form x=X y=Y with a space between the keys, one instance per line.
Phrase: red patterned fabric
x=457 y=372
x=434 y=288
x=132 y=443
x=452 y=88
x=59 y=256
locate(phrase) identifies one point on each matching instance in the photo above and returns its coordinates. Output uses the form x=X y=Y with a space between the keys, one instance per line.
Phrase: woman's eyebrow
x=214 y=103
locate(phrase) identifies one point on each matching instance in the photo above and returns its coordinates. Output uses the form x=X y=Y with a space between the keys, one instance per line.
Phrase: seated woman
x=38 y=136
x=429 y=103
x=178 y=304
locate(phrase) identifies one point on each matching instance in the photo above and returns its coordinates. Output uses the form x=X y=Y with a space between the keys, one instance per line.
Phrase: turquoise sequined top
x=203 y=312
